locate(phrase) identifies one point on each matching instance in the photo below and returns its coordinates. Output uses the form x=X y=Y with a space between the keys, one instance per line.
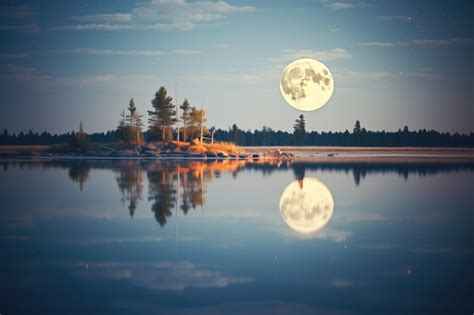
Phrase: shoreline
x=301 y=154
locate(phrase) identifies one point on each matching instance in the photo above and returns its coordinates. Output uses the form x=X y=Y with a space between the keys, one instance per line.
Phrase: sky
x=394 y=63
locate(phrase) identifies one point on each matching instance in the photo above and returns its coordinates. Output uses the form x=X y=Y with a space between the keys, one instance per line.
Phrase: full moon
x=306 y=206
x=306 y=84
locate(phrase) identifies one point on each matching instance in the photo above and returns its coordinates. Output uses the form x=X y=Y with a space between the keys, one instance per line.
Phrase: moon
x=306 y=205
x=306 y=84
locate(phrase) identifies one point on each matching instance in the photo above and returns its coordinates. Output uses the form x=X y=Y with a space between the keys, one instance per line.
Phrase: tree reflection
x=161 y=192
x=130 y=184
x=79 y=173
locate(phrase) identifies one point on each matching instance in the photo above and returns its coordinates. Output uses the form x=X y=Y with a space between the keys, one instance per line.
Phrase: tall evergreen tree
x=357 y=128
x=131 y=113
x=121 y=126
x=185 y=117
x=300 y=130
x=79 y=140
x=163 y=115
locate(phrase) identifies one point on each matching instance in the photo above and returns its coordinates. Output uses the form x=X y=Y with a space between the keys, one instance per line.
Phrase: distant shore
x=313 y=154
x=374 y=154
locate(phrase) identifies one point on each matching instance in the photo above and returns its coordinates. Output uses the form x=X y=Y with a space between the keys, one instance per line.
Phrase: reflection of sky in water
x=400 y=240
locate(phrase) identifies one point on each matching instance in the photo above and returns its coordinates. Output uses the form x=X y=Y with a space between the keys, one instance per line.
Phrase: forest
x=166 y=123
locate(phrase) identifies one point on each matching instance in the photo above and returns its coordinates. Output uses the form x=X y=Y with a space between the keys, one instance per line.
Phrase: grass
x=197 y=147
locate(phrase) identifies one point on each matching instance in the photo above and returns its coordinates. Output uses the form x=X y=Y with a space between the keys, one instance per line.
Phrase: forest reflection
x=171 y=185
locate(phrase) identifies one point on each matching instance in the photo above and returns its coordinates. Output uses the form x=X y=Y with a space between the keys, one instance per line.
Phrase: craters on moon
x=295 y=80
x=306 y=84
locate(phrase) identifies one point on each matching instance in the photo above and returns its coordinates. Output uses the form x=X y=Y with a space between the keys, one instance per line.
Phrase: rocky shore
x=172 y=150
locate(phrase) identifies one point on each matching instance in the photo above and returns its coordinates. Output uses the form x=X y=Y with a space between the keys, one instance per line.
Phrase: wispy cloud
x=343 y=5
x=339 y=6
x=109 y=18
x=421 y=42
x=379 y=44
x=356 y=76
x=323 y=55
x=17 y=11
x=18 y=18
x=104 y=52
x=15 y=56
x=395 y=17
x=443 y=42
x=166 y=276
x=158 y=15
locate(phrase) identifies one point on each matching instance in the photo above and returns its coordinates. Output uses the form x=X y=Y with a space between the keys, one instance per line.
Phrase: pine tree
x=185 y=117
x=300 y=130
x=131 y=113
x=121 y=126
x=79 y=140
x=163 y=115
x=357 y=128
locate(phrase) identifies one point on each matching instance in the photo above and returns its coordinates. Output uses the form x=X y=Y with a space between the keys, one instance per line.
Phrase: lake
x=195 y=237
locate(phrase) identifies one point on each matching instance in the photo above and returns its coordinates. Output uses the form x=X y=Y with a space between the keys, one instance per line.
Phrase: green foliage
x=163 y=115
x=300 y=130
x=131 y=125
x=185 y=118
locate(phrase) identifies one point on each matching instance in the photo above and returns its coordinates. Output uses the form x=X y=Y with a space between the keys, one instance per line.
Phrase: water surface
x=162 y=237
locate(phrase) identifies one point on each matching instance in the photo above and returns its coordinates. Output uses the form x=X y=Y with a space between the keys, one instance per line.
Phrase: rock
x=256 y=156
x=151 y=147
x=211 y=154
x=222 y=154
x=128 y=153
x=91 y=152
x=147 y=153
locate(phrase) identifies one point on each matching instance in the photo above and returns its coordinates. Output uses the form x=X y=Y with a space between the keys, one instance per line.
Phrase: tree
x=138 y=122
x=185 y=117
x=79 y=140
x=357 y=128
x=121 y=126
x=198 y=123
x=131 y=113
x=300 y=130
x=163 y=115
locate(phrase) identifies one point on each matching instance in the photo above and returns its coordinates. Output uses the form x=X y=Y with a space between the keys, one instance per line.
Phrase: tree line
x=165 y=124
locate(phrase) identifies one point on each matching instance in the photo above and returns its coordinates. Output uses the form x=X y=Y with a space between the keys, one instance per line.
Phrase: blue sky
x=394 y=63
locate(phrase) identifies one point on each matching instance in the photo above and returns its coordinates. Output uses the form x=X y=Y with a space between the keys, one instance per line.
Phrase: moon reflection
x=306 y=205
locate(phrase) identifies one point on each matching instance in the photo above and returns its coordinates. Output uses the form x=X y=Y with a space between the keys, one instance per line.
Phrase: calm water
x=156 y=237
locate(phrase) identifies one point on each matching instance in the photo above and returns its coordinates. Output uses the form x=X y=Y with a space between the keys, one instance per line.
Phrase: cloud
x=114 y=17
x=323 y=55
x=443 y=42
x=14 y=56
x=25 y=28
x=422 y=42
x=17 y=11
x=18 y=18
x=355 y=76
x=165 y=276
x=105 y=52
x=159 y=15
x=395 y=17
x=379 y=44
x=339 y=6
